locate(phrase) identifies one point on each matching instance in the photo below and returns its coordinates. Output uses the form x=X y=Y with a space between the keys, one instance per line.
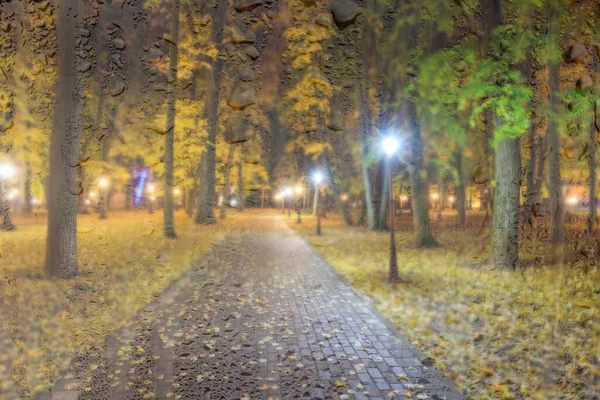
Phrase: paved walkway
x=261 y=317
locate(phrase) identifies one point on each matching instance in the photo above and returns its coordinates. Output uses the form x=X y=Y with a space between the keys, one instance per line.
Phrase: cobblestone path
x=261 y=317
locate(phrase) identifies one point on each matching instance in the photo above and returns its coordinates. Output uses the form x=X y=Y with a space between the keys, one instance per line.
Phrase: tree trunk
x=341 y=205
x=241 y=190
x=557 y=208
x=225 y=188
x=505 y=231
x=168 y=212
x=61 y=243
x=365 y=133
x=26 y=208
x=460 y=194
x=531 y=192
x=418 y=180
x=208 y=169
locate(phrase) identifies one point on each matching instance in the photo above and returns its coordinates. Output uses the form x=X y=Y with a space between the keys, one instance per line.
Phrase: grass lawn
x=124 y=262
x=498 y=335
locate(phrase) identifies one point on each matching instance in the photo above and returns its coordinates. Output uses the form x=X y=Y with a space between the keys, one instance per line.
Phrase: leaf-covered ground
x=124 y=262
x=498 y=335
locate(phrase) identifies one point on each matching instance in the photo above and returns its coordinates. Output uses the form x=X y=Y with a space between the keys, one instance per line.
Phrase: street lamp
x=390 y=145
x=103 y=184
x=344 y=197
x=298 y=191
x=451 y=200
x=317 y=178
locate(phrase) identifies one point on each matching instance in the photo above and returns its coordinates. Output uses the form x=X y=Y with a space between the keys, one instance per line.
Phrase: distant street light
x=233 y=202
x=344 y=197
x=572 y=200
x=317 y=178
x=390 y=145
x=298 y=191
x=451 y=200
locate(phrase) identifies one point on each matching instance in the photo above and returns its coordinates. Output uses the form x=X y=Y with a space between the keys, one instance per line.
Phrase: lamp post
x=317 y=178
x=298 y=191
x=7 y=171
x=390 y=146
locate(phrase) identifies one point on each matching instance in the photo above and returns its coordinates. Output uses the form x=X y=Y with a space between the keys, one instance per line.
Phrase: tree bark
x=418 y=180
x=225 y=188
x=26 y=208
x=241 y=191
x=505 y=230
x=341 y=205
x=61 y=243
x=557 y=208
x=208 y=169
x=168 y=212
x=460 y=194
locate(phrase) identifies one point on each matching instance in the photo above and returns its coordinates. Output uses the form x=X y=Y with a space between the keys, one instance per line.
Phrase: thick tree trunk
x=26 y=208
x=241 y=190
x=364 y=112
x=61 y=243
x=557 y=208
x=531 y=193
x=418 y=180
x=225 y=188
x=169 y=206
x=505 y=231
x=5 y=215
x=459 y=190
x=208 y=168
x=341 y=205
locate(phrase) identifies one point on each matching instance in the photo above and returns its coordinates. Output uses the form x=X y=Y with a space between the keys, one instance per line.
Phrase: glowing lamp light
x=92 y=194
x=344 y=197
x=404 y=197
x=233 y=202
x=177 y=191
x=288 y=191
x=151 y=188
x=152 y=198
x=87 y=202
x=277 y=197
x=390 y=145
x=572 y=200
x=298 y=189
x=451 y=198
x=34 y=201
x=103 y=182
x=318 y=177
x=435 y=196
x=7 y=170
